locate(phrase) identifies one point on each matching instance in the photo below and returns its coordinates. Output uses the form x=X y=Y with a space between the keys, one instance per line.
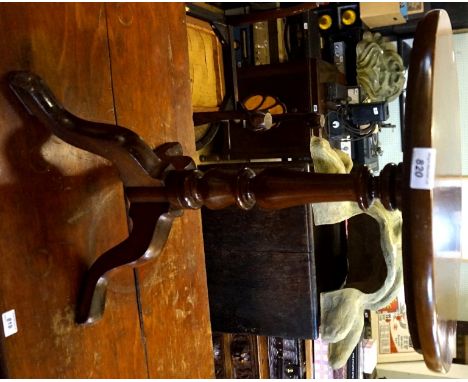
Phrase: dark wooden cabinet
x=261 y=269
x=300 y=85
x=261 y=286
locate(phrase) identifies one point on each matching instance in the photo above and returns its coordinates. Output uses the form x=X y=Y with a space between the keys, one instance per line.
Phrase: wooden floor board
x=62 y=207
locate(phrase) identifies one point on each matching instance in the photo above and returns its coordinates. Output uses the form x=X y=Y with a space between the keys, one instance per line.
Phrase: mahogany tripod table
x=165 y=177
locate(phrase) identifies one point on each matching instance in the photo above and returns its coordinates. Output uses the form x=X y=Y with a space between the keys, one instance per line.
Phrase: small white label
x=315 y=108
x=9 y=323
x=346 y=147
x=375 y=110
x=423 y=168
x=353 y=95
x=306 y=26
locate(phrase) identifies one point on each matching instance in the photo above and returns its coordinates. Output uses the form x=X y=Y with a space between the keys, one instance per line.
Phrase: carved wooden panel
x=241 y=356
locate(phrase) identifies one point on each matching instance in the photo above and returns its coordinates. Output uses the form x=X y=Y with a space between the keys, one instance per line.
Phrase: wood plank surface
x=149 y=55
x=62 y=207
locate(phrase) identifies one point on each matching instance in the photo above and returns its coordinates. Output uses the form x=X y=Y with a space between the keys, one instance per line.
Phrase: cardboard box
x=376 y=15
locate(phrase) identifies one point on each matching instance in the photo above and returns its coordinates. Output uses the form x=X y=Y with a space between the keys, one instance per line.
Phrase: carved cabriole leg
x=138 y=165
x=135 y=160
x=151 y=223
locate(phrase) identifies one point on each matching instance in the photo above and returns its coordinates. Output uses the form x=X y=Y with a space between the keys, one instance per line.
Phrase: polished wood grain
x=152 y=97
x=157 y=321
x=272 y=188
x=61 y=206
x=429 y=333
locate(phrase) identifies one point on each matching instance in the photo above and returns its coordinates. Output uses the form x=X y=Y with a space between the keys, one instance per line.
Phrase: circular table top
x=432 y=192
